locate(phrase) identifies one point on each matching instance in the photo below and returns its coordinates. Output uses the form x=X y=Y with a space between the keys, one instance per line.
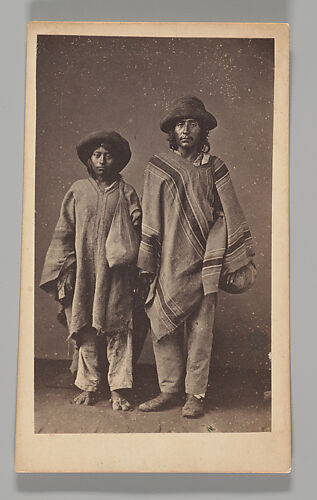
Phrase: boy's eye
x=106 y=156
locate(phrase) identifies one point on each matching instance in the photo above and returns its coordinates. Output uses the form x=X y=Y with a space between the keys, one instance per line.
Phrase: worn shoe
x=194 y=407
x=162 y=401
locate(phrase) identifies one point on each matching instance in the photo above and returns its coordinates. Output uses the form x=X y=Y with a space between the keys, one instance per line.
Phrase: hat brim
x=203 y=117
x=119 y=145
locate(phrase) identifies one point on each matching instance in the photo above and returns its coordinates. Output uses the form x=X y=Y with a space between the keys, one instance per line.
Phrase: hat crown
x=189 y=102
x=187 y=107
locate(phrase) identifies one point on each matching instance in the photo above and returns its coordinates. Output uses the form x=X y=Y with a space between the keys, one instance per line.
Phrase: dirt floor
x=237 y=401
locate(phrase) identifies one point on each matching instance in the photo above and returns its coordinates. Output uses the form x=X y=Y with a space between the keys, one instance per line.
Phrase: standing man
x=194 y=240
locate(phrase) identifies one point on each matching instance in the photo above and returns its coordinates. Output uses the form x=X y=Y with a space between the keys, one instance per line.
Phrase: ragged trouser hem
x=183 y=357
x=119 y=356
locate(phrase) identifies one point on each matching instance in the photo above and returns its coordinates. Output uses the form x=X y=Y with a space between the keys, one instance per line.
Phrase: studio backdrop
x=124 y=84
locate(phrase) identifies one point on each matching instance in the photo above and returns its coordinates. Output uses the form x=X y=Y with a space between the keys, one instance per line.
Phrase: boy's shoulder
x=130 y=194
x=79 y=184
x=127 y=188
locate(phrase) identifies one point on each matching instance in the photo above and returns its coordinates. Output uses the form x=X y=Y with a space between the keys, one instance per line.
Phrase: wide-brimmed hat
x=119 y=146
x=187 y=107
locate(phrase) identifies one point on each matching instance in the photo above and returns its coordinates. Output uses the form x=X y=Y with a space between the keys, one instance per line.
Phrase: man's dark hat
x=118 y=144
x=187 y=107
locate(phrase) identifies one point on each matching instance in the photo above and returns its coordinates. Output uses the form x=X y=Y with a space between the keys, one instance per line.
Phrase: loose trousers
x=119 y=355
x=185 y=354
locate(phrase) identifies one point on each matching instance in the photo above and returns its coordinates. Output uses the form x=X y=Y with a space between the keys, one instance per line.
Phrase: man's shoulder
x=215 y=160
x=164 y=159
x=157 y=162
x=217 y=164
x=161 y=155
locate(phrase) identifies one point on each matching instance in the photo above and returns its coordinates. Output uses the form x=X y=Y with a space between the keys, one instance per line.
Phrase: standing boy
x=97 y=297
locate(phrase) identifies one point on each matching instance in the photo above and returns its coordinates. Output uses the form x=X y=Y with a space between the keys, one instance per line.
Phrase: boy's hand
x=143 y=286
x=146 y=277
x=70 y=279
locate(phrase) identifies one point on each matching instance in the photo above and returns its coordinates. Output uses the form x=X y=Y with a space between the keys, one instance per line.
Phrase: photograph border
x=232 y=452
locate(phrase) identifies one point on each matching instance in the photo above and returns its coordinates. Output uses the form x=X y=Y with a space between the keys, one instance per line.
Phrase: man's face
x=187 y=133
x=102 y=162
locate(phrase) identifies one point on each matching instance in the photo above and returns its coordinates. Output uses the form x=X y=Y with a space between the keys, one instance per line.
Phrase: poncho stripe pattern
x=183 y=196
x=184 y=244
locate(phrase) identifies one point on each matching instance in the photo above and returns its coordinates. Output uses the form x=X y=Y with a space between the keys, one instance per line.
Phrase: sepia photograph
x=150 y=213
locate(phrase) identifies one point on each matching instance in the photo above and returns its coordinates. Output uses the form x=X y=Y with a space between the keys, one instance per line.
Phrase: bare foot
x=84 y=398
x=118 y=402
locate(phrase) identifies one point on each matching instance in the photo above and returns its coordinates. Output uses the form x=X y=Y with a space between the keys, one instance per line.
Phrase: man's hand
x=240 y=280
x=244 y=277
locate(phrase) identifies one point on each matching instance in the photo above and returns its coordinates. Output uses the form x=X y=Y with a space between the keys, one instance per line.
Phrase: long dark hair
x=203 y=144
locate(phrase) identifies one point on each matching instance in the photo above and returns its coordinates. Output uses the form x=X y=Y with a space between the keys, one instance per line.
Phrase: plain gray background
x=124 y=84
x=300 y=14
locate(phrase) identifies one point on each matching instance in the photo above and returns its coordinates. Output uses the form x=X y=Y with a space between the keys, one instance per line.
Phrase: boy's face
x=102 y=162
x=187 y=133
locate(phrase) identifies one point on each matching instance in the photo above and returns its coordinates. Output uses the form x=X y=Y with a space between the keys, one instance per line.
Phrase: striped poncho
x=185 y=243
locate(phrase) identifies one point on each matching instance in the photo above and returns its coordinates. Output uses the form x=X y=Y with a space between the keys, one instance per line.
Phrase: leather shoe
x=194 y=407
x=162 y=401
